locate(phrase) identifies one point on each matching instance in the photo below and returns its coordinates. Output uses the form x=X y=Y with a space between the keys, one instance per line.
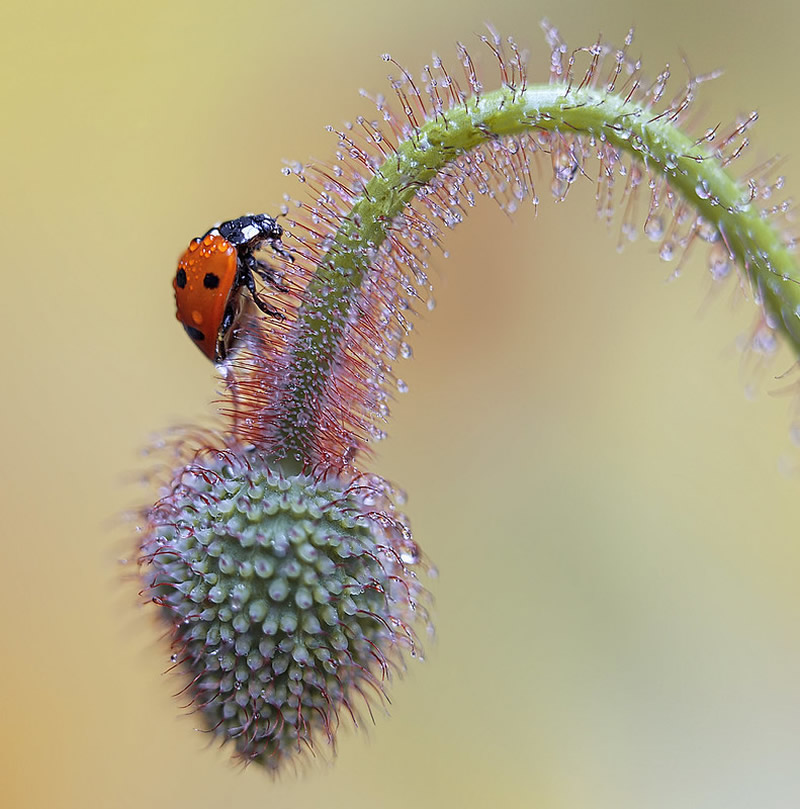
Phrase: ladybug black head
x=250 y=230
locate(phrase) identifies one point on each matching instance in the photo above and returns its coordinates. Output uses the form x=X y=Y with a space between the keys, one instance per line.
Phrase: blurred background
x=606 y=484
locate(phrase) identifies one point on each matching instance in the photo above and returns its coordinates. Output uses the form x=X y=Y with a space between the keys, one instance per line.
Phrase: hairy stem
x=690 y=167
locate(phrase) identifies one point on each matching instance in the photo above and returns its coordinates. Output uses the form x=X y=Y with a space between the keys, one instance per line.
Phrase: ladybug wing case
x=203 y=284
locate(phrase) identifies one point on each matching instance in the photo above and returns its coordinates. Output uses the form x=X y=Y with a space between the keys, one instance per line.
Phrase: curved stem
x=690 y=167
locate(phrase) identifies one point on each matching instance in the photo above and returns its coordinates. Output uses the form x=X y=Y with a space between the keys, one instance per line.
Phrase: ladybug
x=212 y=275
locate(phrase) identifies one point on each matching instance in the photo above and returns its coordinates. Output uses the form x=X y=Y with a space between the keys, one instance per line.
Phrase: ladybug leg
x=278 y=248
x=267 y=274
x=250 y=282
x=264 y=271
x=228 y=319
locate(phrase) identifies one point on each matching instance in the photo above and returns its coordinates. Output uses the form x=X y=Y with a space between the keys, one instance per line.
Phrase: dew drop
x=706 y=231
x=719 y=262
x=559 y=188
x=719 y=267
x=701 y=189
x=402 y=386
x=654 y=228
x=667 y=251
x=409 y=552
x=771 y=320
x=765 y=342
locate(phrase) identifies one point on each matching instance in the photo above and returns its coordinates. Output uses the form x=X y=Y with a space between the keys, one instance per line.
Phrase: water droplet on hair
x=667 y=251
x=719 y=263
x=559 y=188
x=402 y=386
x=701 y=189
x=765 y=342
x=706 y=231
x=409 y=553
x=654 y=228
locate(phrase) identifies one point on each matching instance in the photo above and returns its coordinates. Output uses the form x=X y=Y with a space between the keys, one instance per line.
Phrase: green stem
x=692 y=169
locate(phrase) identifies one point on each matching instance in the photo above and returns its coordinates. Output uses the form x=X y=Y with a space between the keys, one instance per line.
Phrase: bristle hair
x=349 y=411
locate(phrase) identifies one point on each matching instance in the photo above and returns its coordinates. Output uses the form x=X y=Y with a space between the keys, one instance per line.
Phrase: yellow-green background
x=614 y=518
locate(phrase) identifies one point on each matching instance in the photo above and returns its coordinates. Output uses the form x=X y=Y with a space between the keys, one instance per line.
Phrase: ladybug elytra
x=212 y=275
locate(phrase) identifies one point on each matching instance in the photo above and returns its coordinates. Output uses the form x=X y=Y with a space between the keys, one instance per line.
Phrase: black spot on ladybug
x=211 y=281
x=180 y=278
x=194 y=333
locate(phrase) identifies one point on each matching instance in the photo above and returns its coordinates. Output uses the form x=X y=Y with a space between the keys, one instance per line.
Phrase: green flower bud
x=289 y=597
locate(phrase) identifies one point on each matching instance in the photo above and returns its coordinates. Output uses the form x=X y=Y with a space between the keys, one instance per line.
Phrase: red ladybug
x=212 y=275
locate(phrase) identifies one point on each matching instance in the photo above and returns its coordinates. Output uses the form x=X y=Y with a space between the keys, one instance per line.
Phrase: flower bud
x=289 y=597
